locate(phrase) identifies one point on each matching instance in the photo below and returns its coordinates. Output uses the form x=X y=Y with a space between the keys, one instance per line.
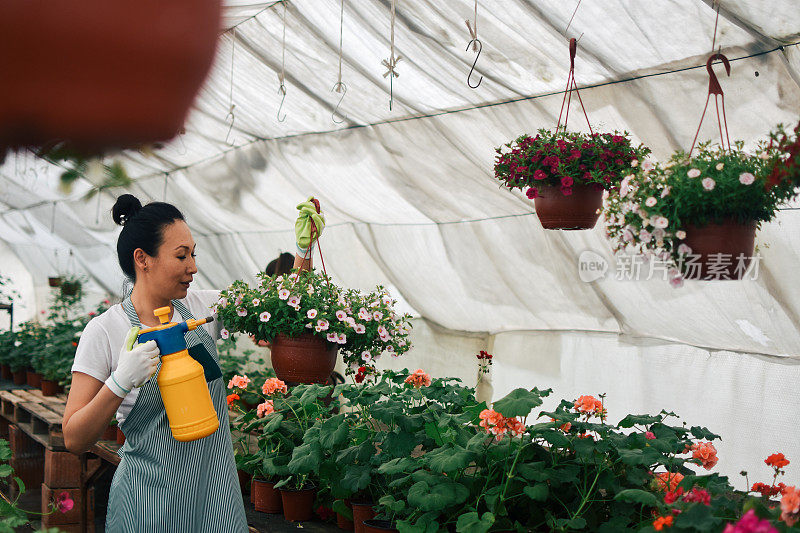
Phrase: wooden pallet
x=37 y=415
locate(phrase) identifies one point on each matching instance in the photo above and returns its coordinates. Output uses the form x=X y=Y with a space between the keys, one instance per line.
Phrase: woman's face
x=171 y=271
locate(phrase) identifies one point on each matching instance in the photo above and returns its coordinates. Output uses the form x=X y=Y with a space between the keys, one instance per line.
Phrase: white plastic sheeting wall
x=412 y=203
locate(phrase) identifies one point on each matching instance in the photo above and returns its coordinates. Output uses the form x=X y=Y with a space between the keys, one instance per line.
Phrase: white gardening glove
x=136 y=365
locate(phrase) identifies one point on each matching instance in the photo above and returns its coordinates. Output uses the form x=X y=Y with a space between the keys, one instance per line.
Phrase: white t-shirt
x=98 y=350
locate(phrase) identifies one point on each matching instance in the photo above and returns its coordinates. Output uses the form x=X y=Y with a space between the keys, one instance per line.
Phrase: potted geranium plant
x=565 y=172
x=699 y=214
x=308 y=319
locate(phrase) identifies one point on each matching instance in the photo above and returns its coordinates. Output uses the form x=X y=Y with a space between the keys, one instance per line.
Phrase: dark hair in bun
x=142 y=227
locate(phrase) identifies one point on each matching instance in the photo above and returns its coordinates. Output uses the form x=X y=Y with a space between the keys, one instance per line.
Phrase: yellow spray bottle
x=181 y=380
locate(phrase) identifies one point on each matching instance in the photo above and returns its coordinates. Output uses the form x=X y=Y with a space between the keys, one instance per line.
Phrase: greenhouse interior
x=400 y=265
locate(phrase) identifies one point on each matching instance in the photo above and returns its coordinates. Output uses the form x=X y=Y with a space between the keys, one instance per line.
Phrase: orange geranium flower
x=661 y=522
x=240 y=382
x=419 y=379
x=498 y=425
x=706 y=453
x=590 y=406
x=232 y=398
x=273 y=385
x=668 y=481
x=790 y=505
x=265 y=409
x=777 y=460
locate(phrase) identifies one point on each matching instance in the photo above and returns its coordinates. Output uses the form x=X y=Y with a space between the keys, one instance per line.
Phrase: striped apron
x=162 y=484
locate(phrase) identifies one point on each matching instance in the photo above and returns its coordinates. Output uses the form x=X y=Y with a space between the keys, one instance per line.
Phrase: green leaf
x=699 y=517
x=305 y=459
x=437 y=497
x=538 y=492
x=333 y=432
x=637 y=496
x=703 y=433
x=642 y=420
x=449 y=459
x=518 y=402
x=392 y=504
x=432 y=431
x=6 y=470
x=396 y=466
x=576 y=523
x=473 y=523
x=356 y=477
x=632 y=457
x=20 y=485
x=273 y=425
x=399 y=443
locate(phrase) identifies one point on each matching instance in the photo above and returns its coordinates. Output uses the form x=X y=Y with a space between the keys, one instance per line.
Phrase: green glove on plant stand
x=307 y=228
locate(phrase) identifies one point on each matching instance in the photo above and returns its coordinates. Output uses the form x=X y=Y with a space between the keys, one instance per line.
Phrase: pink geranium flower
x=264 y=409
x=240 y=382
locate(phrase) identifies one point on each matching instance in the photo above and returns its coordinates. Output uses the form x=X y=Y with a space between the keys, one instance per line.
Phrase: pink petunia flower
x=746 y=178
x=311 y=313
x=709 y=184
x=283 y=294
x=265 y=316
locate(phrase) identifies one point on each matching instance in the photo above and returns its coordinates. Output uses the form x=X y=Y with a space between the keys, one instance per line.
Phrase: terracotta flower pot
x=362 y=511
x=5 y=372
x=120 y=436
x=266 y=498
x=298 y=504
x=54 y=281
x=110 y=433
x=20 y=377
x=33 y=378
x=102 y=74
x=304 y=359
x=736 y=243
x=573 y=212
x=378 y=526
x=244 y=481
x=50 y=388
x=344 y=523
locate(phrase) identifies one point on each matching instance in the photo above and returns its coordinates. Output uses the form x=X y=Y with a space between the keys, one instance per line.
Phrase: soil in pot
x=577 y=211
x=362 y=511
x=50 y=388
x=304 y=359
x=266 y=498
x=734 y=241
x=298 y=504
x=33 y=378
x=20 y=377
x=5 y=372
x=378 y=526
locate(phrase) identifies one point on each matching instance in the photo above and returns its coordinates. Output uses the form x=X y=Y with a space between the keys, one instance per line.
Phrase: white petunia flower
x=359 y=328
x=283 y=294
x=693 y=173
x=241 y=312
x=650 y=202
x=708 y=184
x=647 y=165
x=311 y=313
x=341 y=315
x=332 y=337
x=256 y=301
x=746 y=178
x=264 y=317
x=680 y=234
x=661 y=222
x=666 y=191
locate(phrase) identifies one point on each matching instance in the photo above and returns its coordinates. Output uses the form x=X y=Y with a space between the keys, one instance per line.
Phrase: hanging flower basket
x=564 y=173
x=54 y=281
x=102 y=74
x=308 y=320
x=699 y=214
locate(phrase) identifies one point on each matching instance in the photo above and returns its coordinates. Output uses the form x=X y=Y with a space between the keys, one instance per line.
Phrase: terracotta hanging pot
x=298 y=504
x=362 y=511
x=378 y=526
x=304 y=359
x=266 y=498
x=54 y=281
x=33 y=378
x=102 y=74
x=735 y=241
x=579 y=210
x=50 y=388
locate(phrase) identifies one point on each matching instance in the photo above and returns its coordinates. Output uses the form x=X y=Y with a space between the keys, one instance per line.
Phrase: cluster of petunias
x=648 y=215
x=362 y=325
x=499 y=425
x=564 y=160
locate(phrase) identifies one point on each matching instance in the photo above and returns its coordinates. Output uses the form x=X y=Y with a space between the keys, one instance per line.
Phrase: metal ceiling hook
x=469 y=76
x=341 y=88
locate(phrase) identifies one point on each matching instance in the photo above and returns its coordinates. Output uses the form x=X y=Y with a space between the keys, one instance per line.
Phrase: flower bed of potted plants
x=434 y=459
x=565 y=173
x=308 y=319
x=699 y=214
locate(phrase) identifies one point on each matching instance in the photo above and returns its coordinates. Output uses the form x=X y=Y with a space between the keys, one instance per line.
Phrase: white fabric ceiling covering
x=412 y=203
